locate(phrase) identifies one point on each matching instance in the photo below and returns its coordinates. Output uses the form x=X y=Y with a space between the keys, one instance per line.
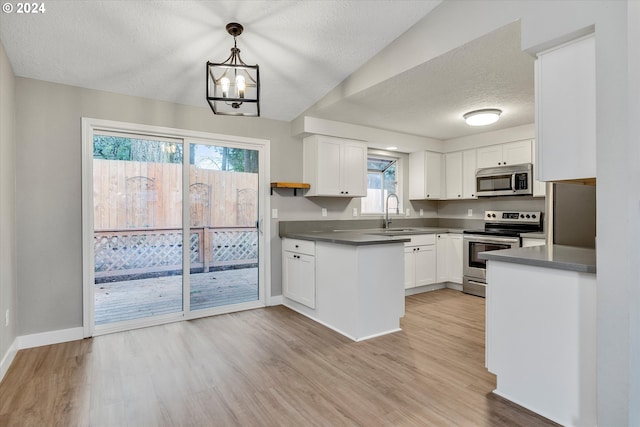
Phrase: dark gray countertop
x=554 y=256
x=366 y=237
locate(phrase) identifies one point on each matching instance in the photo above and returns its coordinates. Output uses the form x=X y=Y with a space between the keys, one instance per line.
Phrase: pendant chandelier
x=233 y=87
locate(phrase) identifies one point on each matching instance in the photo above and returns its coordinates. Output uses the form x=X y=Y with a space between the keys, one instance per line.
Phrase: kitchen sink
x=395 y=231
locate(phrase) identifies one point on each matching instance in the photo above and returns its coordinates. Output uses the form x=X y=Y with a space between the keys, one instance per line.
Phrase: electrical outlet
x=355 y=212
x=408 y=212
x=274 y=213
x=421 y=212
x=469 y=212
x=6 y=318
x=324 y=211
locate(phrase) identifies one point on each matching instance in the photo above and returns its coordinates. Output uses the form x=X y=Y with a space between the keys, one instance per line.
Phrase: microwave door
x=494 y=183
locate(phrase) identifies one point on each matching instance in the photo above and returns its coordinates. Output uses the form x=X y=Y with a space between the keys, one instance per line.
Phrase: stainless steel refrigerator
x=574 y=215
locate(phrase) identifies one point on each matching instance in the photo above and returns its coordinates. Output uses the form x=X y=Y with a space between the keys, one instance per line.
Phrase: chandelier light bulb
x=225 y=83
x=240 y=84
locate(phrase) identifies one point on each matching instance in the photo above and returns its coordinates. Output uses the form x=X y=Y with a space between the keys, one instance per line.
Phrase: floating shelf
x=295 y=185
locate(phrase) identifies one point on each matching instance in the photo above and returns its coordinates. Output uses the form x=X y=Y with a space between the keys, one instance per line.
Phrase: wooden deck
x=134 y=299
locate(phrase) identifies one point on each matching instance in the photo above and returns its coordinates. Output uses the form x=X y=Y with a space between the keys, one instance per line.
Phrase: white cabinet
x=453 y=175
x=449 y=258
x=455 y=258
x=299 y=271
x=460 y=175
x=511 y=153
x=469 y=174
x=420 y=261
x=425 y=175
x=539 y=187
x=335 y=167
x=565 y=91
x=442 y=253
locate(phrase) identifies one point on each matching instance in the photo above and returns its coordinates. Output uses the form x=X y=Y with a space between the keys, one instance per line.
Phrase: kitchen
x=284 y=169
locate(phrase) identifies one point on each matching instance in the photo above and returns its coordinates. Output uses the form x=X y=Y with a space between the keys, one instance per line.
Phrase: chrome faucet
x=387 y=221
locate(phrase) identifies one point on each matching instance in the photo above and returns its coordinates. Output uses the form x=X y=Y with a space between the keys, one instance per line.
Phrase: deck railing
x=145 y=250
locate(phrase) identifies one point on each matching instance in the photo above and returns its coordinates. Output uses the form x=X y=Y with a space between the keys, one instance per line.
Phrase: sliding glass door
x=137 y=221
x=173 y=224
x=223 y=197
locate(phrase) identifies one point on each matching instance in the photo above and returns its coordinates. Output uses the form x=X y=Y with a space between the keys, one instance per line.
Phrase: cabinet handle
x=297 y=246
x=459 y=195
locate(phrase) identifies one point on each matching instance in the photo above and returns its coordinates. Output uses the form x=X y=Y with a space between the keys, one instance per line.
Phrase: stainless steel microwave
x=515 y=180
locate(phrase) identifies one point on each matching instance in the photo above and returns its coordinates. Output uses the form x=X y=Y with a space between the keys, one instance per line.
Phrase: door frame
x=89 y=126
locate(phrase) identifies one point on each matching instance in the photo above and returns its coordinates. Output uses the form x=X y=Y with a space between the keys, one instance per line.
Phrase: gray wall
x=8 y=280
x=49 y=224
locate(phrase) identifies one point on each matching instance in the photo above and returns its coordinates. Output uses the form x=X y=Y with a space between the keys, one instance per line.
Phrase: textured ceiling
x=158 y=49
x=430 y=99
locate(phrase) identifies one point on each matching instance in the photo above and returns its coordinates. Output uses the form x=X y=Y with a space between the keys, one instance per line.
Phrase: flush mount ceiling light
x=482 y=117
x=233 y=87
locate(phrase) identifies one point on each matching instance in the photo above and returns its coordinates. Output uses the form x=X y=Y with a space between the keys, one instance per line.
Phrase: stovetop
x=509 y=223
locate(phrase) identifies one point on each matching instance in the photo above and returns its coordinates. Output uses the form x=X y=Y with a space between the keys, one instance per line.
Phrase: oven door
x=474 y=244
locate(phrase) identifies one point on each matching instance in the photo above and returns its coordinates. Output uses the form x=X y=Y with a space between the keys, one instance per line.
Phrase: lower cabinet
x=420 y=261
x=449 y=258
x=299 y=271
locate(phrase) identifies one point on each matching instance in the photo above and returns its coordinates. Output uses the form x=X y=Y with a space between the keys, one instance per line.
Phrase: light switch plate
x=408 y=212
x=324 y=211
x=355 y=212
x=469 y=212
x=274 y=213
x=421 y=212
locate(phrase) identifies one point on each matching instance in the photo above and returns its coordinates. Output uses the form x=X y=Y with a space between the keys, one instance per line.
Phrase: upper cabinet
x=425 y=175
x=453 y=175
x=335 y=167
x=565 y=91
x=469 y=165
x=460 y=175
x=511 y=153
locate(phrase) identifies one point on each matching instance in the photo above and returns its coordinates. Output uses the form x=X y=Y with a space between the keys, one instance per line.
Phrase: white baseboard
x=8 y=358
x=52 y=337
x=276 y=300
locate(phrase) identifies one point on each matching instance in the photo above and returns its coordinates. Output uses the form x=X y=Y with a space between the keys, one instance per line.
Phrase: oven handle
x=492 y=239
x=513 y=182
x=475 y=282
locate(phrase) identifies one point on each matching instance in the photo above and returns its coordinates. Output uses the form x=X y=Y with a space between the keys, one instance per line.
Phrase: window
x=382 y=180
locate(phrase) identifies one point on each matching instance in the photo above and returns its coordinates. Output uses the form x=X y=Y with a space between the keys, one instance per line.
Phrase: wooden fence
x=130 y=195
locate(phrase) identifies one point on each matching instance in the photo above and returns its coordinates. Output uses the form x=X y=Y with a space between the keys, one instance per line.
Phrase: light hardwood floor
x=268 y=367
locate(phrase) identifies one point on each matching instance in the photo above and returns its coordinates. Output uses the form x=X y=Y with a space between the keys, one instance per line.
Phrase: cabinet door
x=433 y=185
x=298 y=278
x=442 y=258
x=490 y=156
x=425 y=269
x=565 y=91
x=453 y=175
x=469 y=174
x=329 y=159
x=454 y=259
x=409 y=267
x=354 y=170
x=515 y=153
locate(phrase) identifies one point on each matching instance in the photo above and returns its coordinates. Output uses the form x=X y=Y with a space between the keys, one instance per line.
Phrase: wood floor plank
x=268 y=367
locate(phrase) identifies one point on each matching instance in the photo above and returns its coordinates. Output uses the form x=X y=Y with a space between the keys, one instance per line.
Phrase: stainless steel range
x=502 y=230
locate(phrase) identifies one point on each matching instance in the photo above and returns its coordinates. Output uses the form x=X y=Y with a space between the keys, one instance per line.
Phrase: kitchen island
x=541 y=330
x=351 y=282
